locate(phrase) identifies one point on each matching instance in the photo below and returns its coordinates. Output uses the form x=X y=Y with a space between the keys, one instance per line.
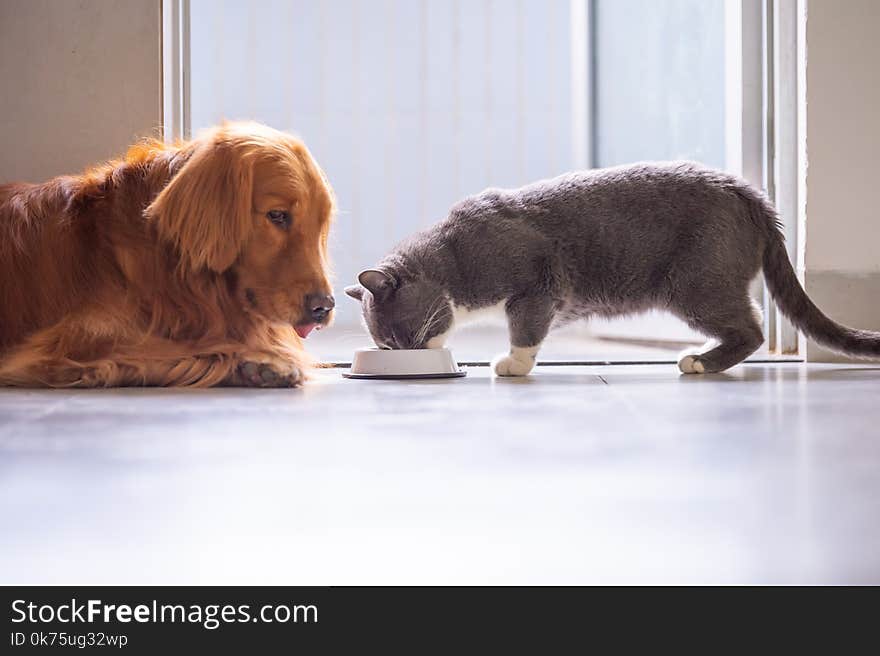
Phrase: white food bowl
x=404 y=363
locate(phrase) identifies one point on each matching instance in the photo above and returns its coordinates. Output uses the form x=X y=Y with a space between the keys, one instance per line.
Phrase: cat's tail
x=794 y=303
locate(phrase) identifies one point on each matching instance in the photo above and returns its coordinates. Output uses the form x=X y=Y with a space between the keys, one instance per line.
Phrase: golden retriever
x=200 y=263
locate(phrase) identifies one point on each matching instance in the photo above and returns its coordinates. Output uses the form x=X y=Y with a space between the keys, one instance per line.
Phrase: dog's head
x=252 y=203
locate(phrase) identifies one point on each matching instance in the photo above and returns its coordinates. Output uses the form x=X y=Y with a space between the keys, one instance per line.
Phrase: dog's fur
x=163 y=269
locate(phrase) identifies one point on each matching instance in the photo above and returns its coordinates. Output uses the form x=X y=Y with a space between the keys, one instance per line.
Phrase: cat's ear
x=355 y=291
x=380 y=284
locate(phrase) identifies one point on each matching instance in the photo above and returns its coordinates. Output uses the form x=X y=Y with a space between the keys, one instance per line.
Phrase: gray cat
x=673 y=236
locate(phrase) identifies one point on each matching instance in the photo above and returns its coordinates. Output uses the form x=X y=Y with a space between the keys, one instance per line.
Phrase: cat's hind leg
x=528 y=321
x=735 y=329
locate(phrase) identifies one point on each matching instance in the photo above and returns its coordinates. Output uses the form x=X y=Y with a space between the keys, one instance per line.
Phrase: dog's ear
x=355 y=291
x=205 y=210
x=380 y=284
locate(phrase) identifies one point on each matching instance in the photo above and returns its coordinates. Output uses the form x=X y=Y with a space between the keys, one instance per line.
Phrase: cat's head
x=402 y=312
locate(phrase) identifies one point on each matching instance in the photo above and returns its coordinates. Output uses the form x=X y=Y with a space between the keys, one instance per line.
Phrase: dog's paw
x=691 y=364
x=507 y=365
x=262 y=374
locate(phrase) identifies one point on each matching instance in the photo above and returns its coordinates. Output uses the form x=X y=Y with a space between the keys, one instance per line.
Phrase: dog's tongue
x=304 y=330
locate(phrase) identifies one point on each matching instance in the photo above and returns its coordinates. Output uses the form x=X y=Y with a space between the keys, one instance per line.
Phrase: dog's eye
x=279 y=217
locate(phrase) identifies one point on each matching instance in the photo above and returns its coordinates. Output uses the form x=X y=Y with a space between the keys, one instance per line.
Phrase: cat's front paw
x=508 y=365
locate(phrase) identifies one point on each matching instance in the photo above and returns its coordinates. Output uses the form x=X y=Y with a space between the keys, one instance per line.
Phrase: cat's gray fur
x=674 y=236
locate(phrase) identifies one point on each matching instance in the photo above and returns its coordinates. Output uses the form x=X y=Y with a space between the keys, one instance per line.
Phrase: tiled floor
x=770 y=473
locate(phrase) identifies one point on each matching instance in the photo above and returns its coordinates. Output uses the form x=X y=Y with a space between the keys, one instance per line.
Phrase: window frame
x=176 y=67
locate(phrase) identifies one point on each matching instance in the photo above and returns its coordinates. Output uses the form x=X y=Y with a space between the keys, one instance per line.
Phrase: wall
x=842 y=249
x=81 y=80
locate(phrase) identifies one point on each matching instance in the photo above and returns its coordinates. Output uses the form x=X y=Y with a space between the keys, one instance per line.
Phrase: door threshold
x=595 y=363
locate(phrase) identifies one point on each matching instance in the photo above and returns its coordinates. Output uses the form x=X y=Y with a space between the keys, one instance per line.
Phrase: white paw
x=690 y=364
x=507 y=365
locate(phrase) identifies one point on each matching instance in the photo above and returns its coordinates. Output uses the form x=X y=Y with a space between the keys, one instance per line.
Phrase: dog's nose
x=318 y=306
